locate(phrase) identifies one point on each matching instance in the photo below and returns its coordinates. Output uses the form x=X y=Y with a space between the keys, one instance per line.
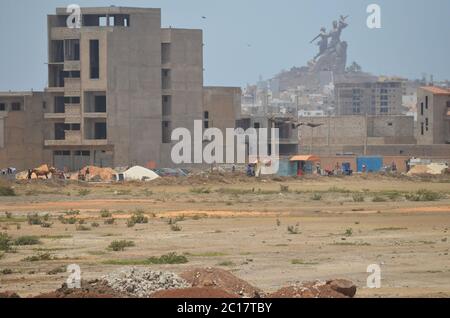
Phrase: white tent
x=138 y=173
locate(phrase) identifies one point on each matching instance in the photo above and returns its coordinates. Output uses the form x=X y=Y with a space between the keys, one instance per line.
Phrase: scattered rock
x=139 y=282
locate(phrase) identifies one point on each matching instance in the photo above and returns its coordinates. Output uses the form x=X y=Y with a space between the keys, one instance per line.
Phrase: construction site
x=92 y=204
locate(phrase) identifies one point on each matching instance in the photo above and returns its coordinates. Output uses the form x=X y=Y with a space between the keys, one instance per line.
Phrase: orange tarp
x=305 y=158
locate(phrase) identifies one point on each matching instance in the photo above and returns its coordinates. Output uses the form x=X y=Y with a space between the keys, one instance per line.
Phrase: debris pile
x=339 y=288
x=139 y=282
x=430 y=169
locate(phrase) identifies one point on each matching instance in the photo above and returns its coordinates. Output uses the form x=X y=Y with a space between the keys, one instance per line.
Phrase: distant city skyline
x=246 y=39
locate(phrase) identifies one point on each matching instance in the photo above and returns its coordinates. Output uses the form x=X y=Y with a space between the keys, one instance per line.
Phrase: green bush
x=117 y=246
x=139 y=218
x=171 y=258
x=39 y=257
x=84 y=192
x=34 y=219
x=6 y=191
x=423 y=195
x=293 y=229
x=176 y=228
x=110 y=221
x=316 y=197
x=378 y=199
x=5 y=242
x=358 y=197
x=6 y=271
x=27 y=240
x=105 y=214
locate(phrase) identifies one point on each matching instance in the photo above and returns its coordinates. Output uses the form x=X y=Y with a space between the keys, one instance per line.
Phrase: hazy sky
x=247 y=38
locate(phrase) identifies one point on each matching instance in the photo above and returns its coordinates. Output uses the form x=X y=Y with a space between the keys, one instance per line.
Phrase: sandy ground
x=242 y=227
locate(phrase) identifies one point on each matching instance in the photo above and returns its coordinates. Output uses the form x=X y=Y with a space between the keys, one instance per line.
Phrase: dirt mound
x=91 y=289
x=195 y=292
x=8 y=294
x=338 y=288
x=221 y=279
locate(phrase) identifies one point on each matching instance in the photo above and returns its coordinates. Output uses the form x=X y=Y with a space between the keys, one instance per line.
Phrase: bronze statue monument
x=332 y=54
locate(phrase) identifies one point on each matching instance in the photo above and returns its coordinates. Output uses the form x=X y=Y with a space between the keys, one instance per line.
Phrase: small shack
x=305 y=163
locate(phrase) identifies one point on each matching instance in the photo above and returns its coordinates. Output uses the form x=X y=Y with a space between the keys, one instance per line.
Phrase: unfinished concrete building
x=433 y=115
x=117 y=87
x=371 y=97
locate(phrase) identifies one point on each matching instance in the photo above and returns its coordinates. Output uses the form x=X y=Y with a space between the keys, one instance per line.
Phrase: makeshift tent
x=305 y=163
x=138 y=173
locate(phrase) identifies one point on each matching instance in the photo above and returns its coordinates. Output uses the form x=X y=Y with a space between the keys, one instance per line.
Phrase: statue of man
x=323 y=43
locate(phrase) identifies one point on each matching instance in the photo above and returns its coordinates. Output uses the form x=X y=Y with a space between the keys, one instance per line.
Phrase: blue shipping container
x=373 y=164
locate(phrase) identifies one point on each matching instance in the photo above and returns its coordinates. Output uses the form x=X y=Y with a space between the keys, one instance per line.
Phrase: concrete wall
x=22 y=133
x=134 y=90
x=357 y=130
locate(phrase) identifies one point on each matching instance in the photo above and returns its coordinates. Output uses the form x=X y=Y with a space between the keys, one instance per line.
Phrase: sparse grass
x=423 y=195
x=207 y=254
x=302 y=262
x=110 y=221
x=82 y=228
x=391 y=194
x=200 y=190
x=284 y=188
x=105 y=214
x=378 y=199
x=391 y=229
x=122 y=192
x=137 y=218
x=358 y=197
x=5 y=242
x=293 y=229
x=72 y=213
x=57 y=270
x=351 y=244
x=84 y=192
x=71 y=220
x=118 y=246
x=6 y=271
x=34 y=219
x=6 y=191
x=39 y=257
x=56 y=237
x=226 y=264
x=335 y=189
x=316 y=197
x=348 y=232
x=176 y=228
x=27 y=240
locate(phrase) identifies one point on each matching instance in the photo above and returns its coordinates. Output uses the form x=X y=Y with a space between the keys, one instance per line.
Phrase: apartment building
x=378 y=97
x=117 y=87
x=433 y=115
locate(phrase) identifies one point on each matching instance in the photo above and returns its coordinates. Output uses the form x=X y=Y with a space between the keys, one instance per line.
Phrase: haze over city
x=245 y=39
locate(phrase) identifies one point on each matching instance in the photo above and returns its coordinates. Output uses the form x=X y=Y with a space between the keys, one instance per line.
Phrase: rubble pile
x=139 y=282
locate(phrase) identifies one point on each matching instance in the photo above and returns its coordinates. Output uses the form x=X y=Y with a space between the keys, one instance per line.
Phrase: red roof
x=436 y=90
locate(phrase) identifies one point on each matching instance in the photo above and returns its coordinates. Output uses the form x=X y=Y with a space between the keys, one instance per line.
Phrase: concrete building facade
x=379 y=97
x=433 y=115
